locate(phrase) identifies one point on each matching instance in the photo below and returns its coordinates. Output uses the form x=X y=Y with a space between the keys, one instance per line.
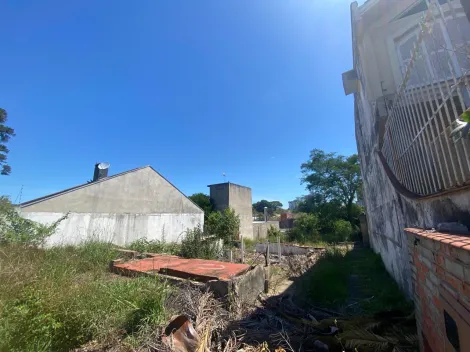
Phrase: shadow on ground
x=346 y=300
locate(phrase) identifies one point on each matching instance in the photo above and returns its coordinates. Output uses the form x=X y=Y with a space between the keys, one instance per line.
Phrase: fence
x=435 y=91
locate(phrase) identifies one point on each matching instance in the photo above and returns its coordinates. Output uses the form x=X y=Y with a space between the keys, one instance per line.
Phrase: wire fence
x=433 y=94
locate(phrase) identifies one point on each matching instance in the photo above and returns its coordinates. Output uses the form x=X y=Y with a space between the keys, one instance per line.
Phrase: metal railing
x=434 y=92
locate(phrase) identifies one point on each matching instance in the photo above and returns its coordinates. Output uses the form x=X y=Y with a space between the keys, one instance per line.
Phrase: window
x=405 y=49
x=445 y=49
x=459 y=35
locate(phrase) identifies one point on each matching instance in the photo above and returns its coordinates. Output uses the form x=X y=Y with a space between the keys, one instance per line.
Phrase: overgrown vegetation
x=274 y=233
x=329 y=282
x=333 y=182
x=197 y=244
x=60 y=298
x=144 y=245
x=15 y=229
x=224 y=225
x=305 y=229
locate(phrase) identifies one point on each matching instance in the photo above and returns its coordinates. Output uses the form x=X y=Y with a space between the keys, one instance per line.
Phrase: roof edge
x=159 y=174
x=72 y=189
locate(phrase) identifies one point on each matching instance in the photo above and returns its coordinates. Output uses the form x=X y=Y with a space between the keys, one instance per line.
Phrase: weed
x=155 y=246
x=250 y=244
x=16 y=229
x=196 y=244
x=60 y=298
x=328 y=281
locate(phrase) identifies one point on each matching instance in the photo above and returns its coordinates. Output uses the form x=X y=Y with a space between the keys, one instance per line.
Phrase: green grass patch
x=328 y=283
x=60 y=298
x=155 y=246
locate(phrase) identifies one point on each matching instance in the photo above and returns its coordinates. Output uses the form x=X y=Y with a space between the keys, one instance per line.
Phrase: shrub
x=342 y=231
x=224 y=225
x=197 y=244
x=306 y=229
x=274 y=233
x=16 y=229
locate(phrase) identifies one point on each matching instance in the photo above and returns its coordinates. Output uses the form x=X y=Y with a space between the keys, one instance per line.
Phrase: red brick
x=465 y=289
x=454 y=267
x=458 y=244
x=461 y=254
x=440 y=272
x=454 y=282
x=466 y=273
x=439 y=259
x=437 y=302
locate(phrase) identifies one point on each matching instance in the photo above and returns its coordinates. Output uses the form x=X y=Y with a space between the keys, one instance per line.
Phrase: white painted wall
x=377 y=33
x=120 y=229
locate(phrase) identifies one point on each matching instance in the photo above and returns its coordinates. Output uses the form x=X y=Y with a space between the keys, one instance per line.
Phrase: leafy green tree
x=306 y=228
x=5 y=134
x=272 y=206
x=224 y=225
x=204 y=202
x=333 y=178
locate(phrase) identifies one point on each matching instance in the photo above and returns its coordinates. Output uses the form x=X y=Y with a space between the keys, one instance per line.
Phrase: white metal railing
x=434 y=92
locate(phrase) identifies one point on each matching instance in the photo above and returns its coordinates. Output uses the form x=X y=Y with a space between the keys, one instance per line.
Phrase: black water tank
x=101 y=171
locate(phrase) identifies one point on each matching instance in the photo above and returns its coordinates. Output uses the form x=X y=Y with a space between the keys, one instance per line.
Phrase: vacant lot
x=57 y=299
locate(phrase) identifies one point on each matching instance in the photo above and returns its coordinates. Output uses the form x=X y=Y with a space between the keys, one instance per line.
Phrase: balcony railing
x=435 y=91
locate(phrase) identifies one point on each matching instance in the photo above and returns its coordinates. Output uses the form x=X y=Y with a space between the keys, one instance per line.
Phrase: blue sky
x=193 y=88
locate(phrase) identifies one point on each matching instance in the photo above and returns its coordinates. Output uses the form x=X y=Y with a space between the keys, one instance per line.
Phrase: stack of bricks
x=440 y=266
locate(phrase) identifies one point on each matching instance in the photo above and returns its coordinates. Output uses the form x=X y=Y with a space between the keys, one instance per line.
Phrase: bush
x=306 y=229
x=196 y=244
x=342 y=231
x=143 y=245
x=274 y=233
x=224 y=225
x=15 y=229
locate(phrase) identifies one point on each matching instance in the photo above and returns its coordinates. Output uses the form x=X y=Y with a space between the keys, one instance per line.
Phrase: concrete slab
x=196 y=269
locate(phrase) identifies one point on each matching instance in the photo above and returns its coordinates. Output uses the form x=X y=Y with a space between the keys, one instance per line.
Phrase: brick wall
x=440 y=270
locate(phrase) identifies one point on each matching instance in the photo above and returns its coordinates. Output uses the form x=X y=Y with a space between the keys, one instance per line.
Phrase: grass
x=60 y=298
x=328 y=282
x=155 y=246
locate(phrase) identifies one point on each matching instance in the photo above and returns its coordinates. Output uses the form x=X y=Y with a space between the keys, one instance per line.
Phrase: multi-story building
x=411 y=86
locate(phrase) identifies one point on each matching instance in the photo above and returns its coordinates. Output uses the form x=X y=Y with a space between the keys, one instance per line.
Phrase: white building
x=121 y=209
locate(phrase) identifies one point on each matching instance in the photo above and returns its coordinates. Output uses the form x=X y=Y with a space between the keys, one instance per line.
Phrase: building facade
x=411 y=84
x=230 y=195
x=122 y=208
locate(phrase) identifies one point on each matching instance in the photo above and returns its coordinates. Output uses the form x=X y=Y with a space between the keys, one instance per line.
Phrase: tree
x=224 y=225
x=333 y=178
x=272 y=206
x=306 y=229
x=204 y=202
x=5 y=134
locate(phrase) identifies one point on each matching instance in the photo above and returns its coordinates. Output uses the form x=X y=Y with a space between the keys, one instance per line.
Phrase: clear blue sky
x=193 y=88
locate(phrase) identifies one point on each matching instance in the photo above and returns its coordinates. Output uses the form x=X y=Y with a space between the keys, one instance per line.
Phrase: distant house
x=121 y=209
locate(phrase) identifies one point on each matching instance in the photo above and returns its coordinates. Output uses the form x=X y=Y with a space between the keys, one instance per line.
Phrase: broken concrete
x=222 y=278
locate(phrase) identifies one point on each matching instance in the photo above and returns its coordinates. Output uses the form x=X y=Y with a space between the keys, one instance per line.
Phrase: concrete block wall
x=260 y=228
x=230 y=195
x=440 y=273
